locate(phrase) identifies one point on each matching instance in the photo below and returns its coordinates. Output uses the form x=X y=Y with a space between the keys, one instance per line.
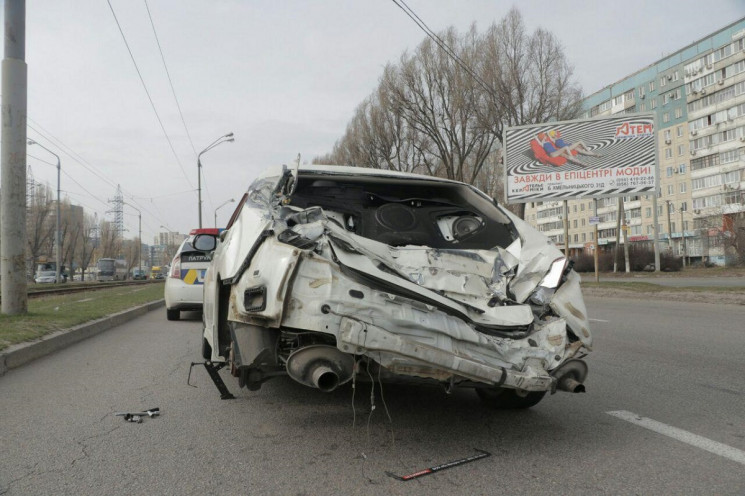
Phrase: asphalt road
x=677 y=364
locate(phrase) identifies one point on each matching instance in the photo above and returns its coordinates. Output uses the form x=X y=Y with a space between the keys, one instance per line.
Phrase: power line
x=173 y=91
x=433 y=36
x=152 y=104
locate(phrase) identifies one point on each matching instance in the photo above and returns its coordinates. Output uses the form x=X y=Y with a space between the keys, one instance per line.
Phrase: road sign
x=594 y=220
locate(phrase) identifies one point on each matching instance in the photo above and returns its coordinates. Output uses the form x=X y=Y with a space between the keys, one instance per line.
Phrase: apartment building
x=698 y=97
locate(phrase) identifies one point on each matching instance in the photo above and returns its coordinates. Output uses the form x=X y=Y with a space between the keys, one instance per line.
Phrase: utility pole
x=595 y=236
x=566 y=223
x=669 y=229
x=683 y=237
x=13 y=286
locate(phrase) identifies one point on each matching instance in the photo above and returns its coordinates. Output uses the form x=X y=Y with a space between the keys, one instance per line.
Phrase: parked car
x=327 y=271
x=183 y=288
x=139 y=274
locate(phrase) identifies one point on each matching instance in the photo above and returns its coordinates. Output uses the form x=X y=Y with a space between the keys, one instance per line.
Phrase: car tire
x=172 y=314
x=508 y=399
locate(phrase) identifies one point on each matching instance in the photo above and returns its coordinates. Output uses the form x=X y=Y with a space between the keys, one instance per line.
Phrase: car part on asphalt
x=437 y=468
x=136 y=417
x=212 y=370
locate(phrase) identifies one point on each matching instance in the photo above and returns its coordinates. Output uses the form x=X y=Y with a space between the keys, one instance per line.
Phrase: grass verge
x=648 y=287
x=53 y=313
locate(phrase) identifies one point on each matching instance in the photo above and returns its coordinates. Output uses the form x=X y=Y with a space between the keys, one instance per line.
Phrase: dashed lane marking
x=703 y=443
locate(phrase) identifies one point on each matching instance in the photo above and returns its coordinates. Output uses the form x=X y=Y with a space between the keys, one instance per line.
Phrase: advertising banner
x=613 y=156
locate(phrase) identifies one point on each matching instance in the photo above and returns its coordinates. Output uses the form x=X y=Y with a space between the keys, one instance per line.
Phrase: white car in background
x=185 y=280
x=328 y=273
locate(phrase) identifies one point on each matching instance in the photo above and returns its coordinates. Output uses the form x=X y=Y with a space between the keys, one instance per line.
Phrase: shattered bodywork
x=325 y=270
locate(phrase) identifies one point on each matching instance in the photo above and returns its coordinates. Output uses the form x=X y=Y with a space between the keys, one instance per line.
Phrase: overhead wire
x=173 y=92
x=444 y=46
x=150 y=99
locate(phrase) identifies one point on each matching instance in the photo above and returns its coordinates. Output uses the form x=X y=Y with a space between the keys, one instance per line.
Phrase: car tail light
x=176 y=268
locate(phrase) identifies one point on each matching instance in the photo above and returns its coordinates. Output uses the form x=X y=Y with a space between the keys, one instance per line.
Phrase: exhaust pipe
x=570 y=376
x=320 y=366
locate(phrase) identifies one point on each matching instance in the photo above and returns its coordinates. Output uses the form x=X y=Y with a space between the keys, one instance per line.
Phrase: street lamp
x=139 y=236
x=218 y=208
x=221 y=139
x=57 y=240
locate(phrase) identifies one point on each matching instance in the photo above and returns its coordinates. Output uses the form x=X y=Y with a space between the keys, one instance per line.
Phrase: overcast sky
x=284 y=76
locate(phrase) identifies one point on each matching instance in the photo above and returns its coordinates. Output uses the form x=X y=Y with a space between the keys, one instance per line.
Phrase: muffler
x=320 y=366
x=570 y=376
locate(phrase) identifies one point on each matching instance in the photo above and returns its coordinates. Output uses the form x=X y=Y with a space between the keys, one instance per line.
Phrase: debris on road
x=136 y=417
x=437 y=468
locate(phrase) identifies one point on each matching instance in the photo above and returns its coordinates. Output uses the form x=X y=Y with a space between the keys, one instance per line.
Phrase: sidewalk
x=22 y=353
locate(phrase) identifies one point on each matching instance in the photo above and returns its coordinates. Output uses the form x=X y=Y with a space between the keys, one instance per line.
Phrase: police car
x=184 y=284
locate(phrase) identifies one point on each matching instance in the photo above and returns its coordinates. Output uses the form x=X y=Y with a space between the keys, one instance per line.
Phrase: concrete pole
x=13 y=287
x=683 y=238
x=199 y=186
x=566 y=227
x=626 y=244
x=669 y=229
x=656 y=231
x=597 y=245
x=619 y=214
x=57 y=241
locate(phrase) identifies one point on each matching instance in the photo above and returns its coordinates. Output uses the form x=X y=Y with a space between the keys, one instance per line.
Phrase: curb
x=22 y=353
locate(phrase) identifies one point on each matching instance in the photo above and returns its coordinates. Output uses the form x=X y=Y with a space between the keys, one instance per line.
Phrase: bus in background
x=156 y=272
x=105 y=269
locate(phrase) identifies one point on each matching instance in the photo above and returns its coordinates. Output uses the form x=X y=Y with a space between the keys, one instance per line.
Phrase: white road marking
x=598 y=320
x=706 y=444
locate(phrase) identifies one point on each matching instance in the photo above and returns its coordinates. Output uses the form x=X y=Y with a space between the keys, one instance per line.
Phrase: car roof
x=345 y=170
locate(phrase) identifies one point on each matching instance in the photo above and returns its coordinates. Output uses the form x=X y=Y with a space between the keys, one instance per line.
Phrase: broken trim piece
x=437 y=468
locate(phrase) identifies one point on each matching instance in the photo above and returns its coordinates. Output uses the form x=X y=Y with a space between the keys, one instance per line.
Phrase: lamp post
x=57 y=236
x=218 y=208
x=221 y=139
x=139 y=236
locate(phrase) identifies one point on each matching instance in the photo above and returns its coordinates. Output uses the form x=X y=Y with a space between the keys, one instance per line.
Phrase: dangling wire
x=382 y=398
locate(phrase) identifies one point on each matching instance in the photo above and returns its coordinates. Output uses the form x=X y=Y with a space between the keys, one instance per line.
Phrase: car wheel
x=508 y=399
x=172 y=314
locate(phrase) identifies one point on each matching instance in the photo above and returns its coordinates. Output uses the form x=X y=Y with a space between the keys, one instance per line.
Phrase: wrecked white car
x=327 y=271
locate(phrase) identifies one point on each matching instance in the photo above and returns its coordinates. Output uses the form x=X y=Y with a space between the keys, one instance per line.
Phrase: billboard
x=613 y=156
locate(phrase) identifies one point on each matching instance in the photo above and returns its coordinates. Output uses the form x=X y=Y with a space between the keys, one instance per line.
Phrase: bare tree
x=87 y=244
x=442 y=110
x=40 y=224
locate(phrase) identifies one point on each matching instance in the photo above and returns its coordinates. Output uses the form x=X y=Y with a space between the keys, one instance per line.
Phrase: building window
x=654 y=104
x=682 y=169
x=663 y=81
x=669 y=171
x=667 y=135
x=582 y=207
x=651 y=86
x=684 y=206
x=683 y=187
x=679 y=114
x=575 y=225
x=648 y=212
x=666 y=117
x=670 y=189
x=681 y=150
x=668 y=153
x=584 y=237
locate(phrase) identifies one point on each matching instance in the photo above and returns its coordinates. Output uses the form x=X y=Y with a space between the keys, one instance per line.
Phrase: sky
x=284 y=76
